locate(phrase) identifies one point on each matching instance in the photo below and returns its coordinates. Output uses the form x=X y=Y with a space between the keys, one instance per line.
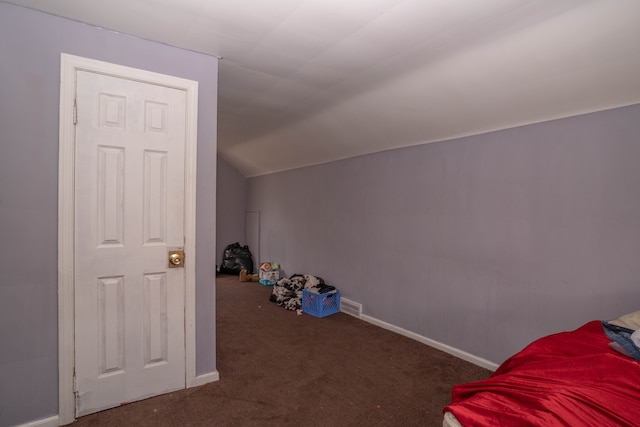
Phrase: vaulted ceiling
x=311 y=81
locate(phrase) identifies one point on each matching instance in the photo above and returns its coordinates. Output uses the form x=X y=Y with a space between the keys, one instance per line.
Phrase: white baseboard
x=483 y=363
x=207 y=378
x=44 y=422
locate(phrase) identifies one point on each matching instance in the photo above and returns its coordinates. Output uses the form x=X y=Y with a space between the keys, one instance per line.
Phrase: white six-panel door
x=129 y=212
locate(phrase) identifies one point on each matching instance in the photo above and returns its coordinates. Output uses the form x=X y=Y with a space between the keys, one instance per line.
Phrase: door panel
x=129 y=202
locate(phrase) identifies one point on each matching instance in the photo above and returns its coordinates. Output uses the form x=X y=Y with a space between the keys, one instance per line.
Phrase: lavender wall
x=30 y=48
x=483 y=243
x=231 y=206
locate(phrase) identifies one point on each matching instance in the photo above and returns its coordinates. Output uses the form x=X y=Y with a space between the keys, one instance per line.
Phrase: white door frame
x=66 y=219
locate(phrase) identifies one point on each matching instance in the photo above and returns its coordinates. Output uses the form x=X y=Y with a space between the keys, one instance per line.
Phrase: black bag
x=236 y=258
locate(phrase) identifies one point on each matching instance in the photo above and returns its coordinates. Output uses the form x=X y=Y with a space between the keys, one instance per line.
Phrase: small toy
x=246 y=277
x=265 y=266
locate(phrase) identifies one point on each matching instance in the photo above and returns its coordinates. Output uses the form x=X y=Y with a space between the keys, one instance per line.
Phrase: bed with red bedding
x=571 y=378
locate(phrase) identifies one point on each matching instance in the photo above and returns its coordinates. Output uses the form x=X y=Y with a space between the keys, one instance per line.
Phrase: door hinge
x=75 y=111
x=76 y=393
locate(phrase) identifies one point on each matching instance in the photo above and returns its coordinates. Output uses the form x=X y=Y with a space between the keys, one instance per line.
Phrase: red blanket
x=566 y=379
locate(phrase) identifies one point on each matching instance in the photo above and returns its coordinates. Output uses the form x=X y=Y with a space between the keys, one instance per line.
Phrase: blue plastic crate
x=320 y=305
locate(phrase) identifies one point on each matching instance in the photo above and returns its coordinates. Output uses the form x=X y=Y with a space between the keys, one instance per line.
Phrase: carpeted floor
x=280 y=369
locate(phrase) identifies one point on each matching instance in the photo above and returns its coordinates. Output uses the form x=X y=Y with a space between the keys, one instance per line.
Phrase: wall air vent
x=351 y=308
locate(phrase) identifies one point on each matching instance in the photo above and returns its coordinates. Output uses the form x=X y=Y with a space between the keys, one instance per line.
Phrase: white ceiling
x=311 y=81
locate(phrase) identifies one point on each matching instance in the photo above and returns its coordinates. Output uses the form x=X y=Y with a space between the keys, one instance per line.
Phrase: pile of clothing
x=288 y=292
x=624 y=334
